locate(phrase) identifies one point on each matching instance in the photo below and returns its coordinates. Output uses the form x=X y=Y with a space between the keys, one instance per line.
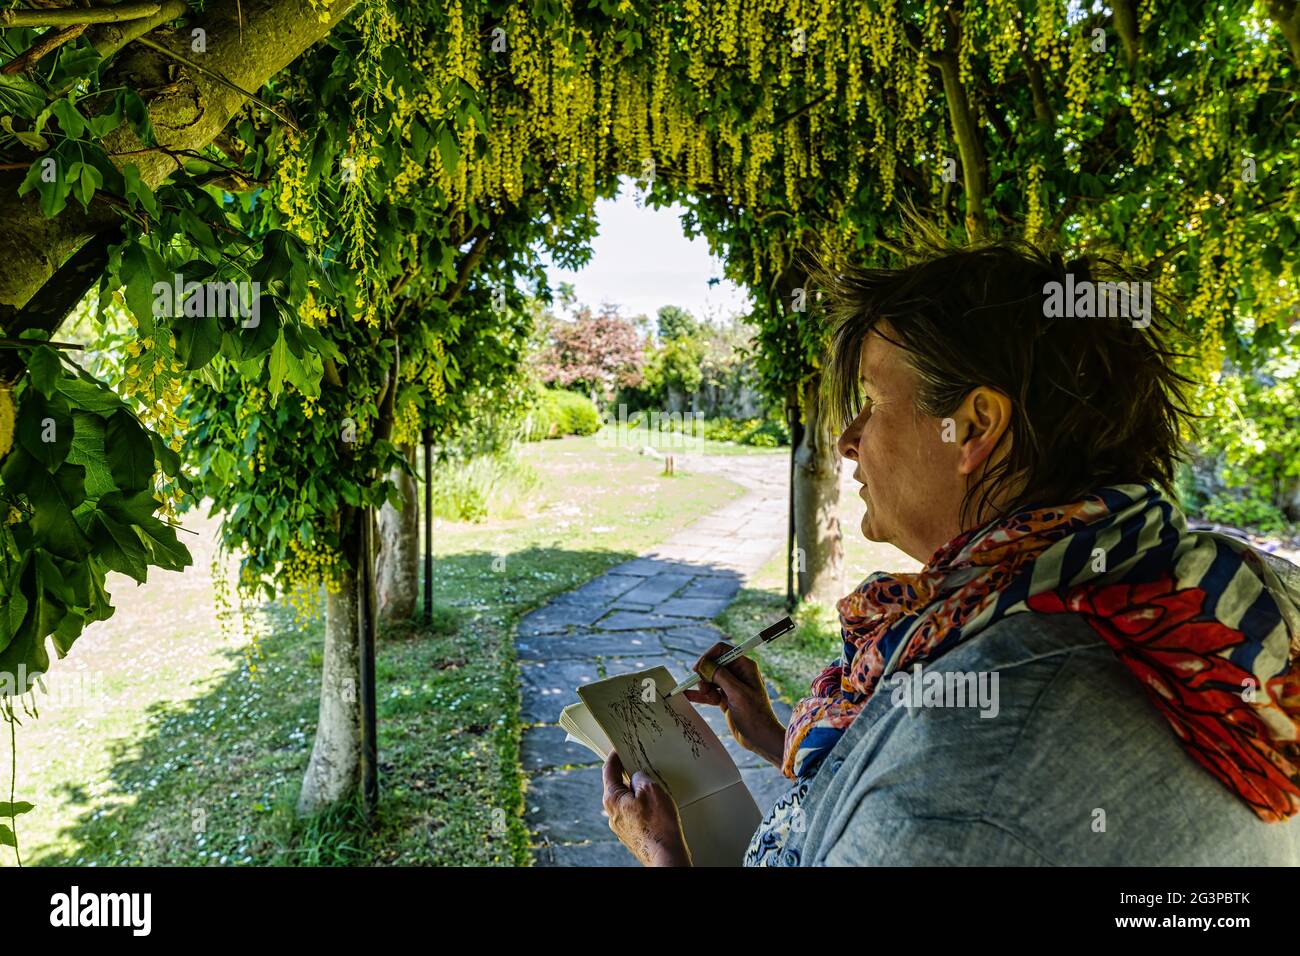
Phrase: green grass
x=185 y=734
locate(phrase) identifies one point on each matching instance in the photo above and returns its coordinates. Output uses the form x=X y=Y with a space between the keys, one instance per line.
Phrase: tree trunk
x=334 y=770
x=397 y=568
x=819 y=558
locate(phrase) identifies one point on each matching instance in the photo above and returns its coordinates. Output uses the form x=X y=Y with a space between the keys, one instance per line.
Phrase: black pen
x=740 y=650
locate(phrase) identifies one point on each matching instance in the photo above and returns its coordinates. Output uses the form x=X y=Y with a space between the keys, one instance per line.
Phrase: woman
x=1145 y=691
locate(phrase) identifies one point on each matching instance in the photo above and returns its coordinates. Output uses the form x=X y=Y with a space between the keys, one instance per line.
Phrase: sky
x=643 y=260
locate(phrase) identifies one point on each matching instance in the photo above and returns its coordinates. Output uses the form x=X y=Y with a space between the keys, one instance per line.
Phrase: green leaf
x=138 y=510
x=119 y=547
x=278 y=365
x=7 y=836
x=256 y=340
x=48 y=177
x=71 y=482
x=197 y=340
x=449 y=148
x=45 y=368
x=12 y=611
x=20 y=96
x=90 y=396
x=50 y=579
x=45 y=429
x=167 y=459
x=76 y=63
x=70 y=119
x=88 y=452
x=138 y=277
x=89 y=180
x=421 y=141
x=53 y=524
x=130 y=452
x=34 y=141
x=69 y=629
x=137 y=114
x=139 y=192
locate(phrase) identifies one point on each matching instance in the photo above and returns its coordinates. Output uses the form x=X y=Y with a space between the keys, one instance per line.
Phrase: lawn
x=181 y=753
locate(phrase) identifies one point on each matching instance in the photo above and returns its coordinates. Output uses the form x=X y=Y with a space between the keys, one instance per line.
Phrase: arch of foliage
x=391 y=184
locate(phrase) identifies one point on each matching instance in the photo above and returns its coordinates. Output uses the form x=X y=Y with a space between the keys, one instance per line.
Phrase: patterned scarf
x=1202 y=620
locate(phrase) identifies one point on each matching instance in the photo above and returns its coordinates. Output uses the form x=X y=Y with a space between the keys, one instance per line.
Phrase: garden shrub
x=558 y=412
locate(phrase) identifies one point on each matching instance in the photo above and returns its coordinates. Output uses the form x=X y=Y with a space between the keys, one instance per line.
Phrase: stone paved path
x=651 y=610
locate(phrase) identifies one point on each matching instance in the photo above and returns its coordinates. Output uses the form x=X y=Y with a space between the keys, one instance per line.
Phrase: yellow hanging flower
x=6 y=421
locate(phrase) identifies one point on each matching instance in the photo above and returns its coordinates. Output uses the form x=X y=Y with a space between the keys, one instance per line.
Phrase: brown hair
x=1095 y=401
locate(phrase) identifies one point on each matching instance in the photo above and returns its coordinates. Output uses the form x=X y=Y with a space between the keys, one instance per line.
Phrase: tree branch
x=1286 y=14
x=187 y=113
x=46 y=44
x=1042 y=108
x=974 y=169
x=1127 y=28
x=68 y=16
x=220 y=79
x=108 y=38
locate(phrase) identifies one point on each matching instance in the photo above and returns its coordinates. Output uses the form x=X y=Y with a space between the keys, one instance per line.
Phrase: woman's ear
x=982 y=421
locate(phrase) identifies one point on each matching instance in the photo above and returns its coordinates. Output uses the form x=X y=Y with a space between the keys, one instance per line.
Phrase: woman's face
x=912 y=478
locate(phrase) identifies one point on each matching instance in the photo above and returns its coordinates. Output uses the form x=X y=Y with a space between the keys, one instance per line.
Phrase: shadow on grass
x=214 y=779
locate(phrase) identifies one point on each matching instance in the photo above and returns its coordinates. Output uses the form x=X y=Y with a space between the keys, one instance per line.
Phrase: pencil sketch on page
x=662 y=736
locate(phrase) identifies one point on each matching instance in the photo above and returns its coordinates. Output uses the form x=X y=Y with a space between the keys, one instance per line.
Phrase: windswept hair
x=1095 y=401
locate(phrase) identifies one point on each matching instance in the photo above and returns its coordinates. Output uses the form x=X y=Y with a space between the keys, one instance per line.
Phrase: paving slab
x=704 y=608
x=564 y=806
x=547 y=687
x=554 y=618
x=655 y=589
x=588 y=644
x=639 y=621
x=599 y=592
x=603 y=854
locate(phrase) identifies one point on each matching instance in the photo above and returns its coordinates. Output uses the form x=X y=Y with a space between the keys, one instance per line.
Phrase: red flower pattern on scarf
x=1214 y=706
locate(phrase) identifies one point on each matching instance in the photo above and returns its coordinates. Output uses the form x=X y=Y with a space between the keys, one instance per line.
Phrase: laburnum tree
x=110 y=181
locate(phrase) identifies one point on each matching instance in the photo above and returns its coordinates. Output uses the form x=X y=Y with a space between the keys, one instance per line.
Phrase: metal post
x=796 y=436
x=428 y=526
x=369 y=742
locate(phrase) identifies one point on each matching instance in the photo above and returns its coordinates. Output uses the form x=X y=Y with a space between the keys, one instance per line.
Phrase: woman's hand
x=738 y=689
x=644 y=817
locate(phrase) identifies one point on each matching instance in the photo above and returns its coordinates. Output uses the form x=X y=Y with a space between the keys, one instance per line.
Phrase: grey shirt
x=1077 y=768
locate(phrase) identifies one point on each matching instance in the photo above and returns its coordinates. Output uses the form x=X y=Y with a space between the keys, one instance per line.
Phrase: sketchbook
x=667 y=738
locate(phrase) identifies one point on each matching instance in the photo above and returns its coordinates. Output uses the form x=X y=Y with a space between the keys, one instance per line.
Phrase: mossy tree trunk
x=820 y=550
x=334 y=769
x=397 y=566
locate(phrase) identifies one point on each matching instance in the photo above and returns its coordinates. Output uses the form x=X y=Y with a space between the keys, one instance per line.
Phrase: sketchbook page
x=578 y=722
x=718 y=827
x=665 y=737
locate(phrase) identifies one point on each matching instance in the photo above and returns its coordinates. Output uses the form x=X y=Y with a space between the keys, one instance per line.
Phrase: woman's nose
x=848 y=443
